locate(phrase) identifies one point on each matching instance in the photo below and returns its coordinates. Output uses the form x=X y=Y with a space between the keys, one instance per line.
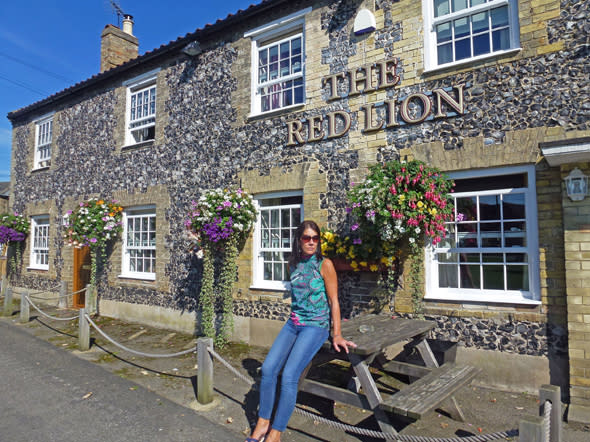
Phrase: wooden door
x=82 y=268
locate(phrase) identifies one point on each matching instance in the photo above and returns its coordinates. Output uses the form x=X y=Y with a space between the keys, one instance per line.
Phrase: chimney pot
x=128 y=24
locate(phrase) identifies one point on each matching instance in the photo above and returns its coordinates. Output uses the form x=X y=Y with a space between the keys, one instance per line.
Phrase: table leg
x=430 y=361
x=371 y=392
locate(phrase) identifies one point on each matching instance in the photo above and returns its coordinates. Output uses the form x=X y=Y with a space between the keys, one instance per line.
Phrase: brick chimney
x=118 y=46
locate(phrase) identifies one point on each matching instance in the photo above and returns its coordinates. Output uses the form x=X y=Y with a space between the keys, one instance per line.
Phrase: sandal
x=251 y=439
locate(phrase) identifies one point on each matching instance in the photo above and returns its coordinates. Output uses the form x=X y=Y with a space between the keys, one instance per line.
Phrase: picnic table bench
x=430 y=386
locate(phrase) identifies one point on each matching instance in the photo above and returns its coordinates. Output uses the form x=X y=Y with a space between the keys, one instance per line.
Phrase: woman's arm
x=331 y=281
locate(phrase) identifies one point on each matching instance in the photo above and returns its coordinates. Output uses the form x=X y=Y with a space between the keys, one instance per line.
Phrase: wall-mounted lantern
x=576 y=185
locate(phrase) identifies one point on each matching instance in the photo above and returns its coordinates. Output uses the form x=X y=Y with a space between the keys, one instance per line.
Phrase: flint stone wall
x=205 y=147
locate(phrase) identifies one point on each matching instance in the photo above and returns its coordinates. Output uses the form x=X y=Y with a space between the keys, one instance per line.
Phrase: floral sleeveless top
x=309 y=302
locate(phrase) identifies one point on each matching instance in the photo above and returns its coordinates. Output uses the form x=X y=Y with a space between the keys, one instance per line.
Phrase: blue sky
x=48 y=46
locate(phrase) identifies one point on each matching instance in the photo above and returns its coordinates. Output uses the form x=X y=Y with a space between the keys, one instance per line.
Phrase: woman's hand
x=338 y=342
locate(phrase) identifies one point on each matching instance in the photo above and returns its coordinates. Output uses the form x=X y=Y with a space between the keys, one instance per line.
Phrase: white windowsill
x=270 y=113
x=38 y=268
x=146 y=277
x=471 y=60
x=277 y=287
x=482 y=298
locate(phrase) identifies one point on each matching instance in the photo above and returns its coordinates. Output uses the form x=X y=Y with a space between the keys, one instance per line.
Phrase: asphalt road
x=47 y=395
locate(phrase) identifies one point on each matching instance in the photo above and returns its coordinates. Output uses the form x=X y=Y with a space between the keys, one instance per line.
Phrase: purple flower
x=357 y=241
x=354 y=227
x=460 y=217
x=227 y=204
x=93 y=240
x=348 y=209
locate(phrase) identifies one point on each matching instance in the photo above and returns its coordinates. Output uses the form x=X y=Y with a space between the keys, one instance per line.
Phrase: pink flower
x=354 y=227
x=93 y=240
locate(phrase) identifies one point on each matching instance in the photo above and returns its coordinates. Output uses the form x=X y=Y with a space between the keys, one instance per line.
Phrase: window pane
x=457 y=5
x=499 y=17
x=489 y=207
x=501 y=39
x=467 y=235
x=462 y=49
x=493 y=277
x=479 y=22
x=461 y=27
x=491 y=235
x=513 y=206
x=273 y=54
x=296 y=46
x=275 y=235
x=477 y=2
x=278 y=271
x=443 y=32
x=448 y=276
x=466 y=208
x=441 y=7
x=445 y=53
x=517 y=257
x=274 y=218
x=517 y=277
x=295 y=217
x=470 y=278
x=285 y=50
x=492 y=257
x=514 y=233
x=481 y=45
x=447 y=257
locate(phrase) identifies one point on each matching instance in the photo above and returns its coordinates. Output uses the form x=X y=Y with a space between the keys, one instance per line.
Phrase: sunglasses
x=307 y=238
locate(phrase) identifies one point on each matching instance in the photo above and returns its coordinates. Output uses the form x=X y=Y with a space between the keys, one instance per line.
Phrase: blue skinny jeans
x=294 y=348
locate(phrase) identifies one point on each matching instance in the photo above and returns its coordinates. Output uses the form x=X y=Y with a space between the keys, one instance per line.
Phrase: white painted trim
x=146 y=77
x=258 y=281
x=126 y=274
x=430 y=22
x=573 y=153
x=267 y=29
x=533 y=296
x=34 y=223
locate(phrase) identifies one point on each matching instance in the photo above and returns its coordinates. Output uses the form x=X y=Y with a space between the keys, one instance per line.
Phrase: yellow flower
x=324 y=247
x=420 y=204
x=363 y=263
x=432 y=211
x=401 y=198
x=99 y=202
x=373 y=268
x=328 y=236
x=353 y=264
x=384 y=260
x=341 y=250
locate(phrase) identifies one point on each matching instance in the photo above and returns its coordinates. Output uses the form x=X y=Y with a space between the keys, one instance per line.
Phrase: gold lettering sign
x=411 y=109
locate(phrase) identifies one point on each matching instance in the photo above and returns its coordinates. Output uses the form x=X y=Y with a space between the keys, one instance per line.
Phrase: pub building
x=292 y=101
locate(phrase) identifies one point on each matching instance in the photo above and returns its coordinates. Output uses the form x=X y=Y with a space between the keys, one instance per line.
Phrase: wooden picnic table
x=373 y=334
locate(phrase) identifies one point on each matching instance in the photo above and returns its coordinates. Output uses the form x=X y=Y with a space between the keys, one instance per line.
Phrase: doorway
x=82 y=269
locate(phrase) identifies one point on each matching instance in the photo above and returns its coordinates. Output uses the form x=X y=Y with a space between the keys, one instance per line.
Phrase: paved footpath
x=47 y=394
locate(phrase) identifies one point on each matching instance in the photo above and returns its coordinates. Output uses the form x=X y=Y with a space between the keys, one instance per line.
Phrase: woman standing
x=314 y=300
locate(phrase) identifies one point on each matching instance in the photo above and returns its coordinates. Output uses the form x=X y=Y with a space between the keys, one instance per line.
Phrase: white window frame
x=39 y=242
x=43 y=141
x=533 y=295
x=430 y=23
x=258 y=262
x=290 y=27
x=148 y=211
x=135 y=86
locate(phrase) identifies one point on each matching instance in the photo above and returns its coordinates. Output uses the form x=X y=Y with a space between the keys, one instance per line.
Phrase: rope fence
x=543 y=428
x=135 y=352
x=49 y=290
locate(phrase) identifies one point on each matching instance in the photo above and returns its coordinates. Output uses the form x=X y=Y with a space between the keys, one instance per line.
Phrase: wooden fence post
x=204 y=371
x=84 y=331
x=63 y=291
x=531 y=429
x=552 y=393
x=8 y=302
x=90 y=299
x=25 y=309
